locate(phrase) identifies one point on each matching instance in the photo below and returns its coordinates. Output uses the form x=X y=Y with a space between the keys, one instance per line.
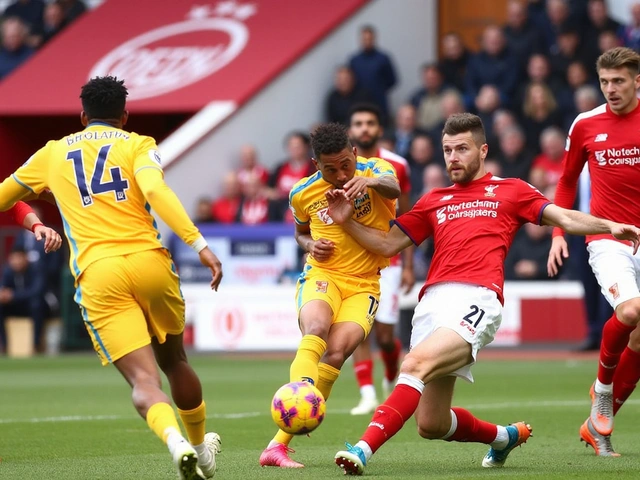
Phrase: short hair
x=465 y=122
x=329 y=138
x=297 y=134
x=368 y=28
x=619 y=57
x=104 y=97
x=365 y=108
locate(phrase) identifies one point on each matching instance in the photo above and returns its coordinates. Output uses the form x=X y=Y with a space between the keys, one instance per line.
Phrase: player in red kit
x=365 y=130
x=608 y=139
x=459 y=311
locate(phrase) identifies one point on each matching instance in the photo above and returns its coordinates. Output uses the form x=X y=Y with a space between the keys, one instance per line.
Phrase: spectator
x=31 y=12
x=568 y=51
x=538 y=71
x=587 y=98
x=502 y=120
x=344 y=95
x=72 y=9
x=487 y=103
x=225 y=208
x=427 y=99
x=373 y=70
x=203 y=213
x=599 y=22
x=451 y=103
x=297 y=166
x=540 y=110
x=14 y=49
x=493 y=65
x=493 y=166
x=556 y=18
x=406 y=129
x=255 y=207
x=421 y=155
x=547 y=167
x=515 y=160
x=630 y=34
x=522 y=36
x=527 y=259
x=577 y=77
x=54 y=21
x=453 y=63
x=434 y=176
x=249 y=166
x=22 y=294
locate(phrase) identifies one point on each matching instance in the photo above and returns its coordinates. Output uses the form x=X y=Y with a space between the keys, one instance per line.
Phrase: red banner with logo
x=174 y=56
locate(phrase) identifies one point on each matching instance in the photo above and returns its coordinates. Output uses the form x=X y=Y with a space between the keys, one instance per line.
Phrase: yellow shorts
x=352 y=299
x=126 y=300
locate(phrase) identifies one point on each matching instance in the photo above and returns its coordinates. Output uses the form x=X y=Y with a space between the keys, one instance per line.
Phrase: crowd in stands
x=27 y=25
x=531 y=77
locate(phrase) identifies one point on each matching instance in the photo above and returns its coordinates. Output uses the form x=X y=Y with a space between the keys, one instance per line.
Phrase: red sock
x=391 y=415
x=626 y=377
x=472 y=429
x=364 y=372
x=615 y=336
x=390 y=360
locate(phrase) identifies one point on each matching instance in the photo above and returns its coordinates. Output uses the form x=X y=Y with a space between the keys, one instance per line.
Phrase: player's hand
x=627 y=232
x=52 y=239
x=340 y=207
x=356 y=187
x=408 y=280
x=322 y=249
x=558 y=251
x=209 y=260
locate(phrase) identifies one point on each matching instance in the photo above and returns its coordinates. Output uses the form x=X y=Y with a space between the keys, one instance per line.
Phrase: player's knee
x=335 y=358
x=432 y=430
x=629 y=312
x=385 y=340
x=414 y=366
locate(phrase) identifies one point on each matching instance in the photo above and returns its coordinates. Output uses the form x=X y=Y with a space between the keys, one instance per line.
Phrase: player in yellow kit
x=105 y=181
x=338 y=291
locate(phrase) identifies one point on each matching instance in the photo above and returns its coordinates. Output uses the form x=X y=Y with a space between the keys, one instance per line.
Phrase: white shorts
x=473 y=312
x=389 y=307
x=616 y=269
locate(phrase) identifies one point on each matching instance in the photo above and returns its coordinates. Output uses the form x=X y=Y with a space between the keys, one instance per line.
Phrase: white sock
x=173 y=438
x=204 y=454
x=410 y=380
x=368 y=392
x=454 y=425
x=365 y=448
x=502 y=438
x=602 y=388
x=273 y=443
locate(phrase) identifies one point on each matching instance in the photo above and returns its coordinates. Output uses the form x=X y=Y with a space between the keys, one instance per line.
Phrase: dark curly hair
x=104 y=98
x=329 y=138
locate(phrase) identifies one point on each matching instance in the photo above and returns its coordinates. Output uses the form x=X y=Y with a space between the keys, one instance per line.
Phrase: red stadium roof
x=174 y=56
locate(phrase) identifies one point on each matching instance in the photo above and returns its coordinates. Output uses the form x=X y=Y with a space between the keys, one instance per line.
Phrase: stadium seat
x=19 y=337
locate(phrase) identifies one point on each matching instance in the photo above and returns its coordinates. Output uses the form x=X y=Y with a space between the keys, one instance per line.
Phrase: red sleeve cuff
x=19 y=211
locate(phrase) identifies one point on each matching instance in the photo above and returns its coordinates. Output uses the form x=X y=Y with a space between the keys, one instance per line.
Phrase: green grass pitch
x=68 y=418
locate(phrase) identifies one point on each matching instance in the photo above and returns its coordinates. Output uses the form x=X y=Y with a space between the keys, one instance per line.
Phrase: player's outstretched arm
x=11 y=192
x=578 y=223
x=377 y=241
x=168 y=207
x=387 y=186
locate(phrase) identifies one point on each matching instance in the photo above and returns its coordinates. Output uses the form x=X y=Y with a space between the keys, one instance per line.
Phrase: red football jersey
x=473 y=226
x=610 y=144
x=401 y=167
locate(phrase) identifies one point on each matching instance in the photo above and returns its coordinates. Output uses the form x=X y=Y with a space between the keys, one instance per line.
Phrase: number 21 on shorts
x=474 y=317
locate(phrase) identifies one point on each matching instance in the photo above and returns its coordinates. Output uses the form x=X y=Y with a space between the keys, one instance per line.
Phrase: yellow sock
x=327 y=376
x=161 y=417
x=194 y=423
x=282 y=437
x=305 y=365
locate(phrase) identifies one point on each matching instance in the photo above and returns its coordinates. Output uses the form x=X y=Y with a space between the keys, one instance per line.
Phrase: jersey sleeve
x=300 y=215
x=19 y=212
x=531 y=203
x=572 y=164
x=32 y=175
x=380 y=168
x=147 y=155
x=416 y=223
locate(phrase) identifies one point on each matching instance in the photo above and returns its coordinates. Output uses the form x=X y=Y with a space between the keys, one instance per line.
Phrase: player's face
x=464 y=159
x=619 y=88
x=364 y=130
x=337 y=168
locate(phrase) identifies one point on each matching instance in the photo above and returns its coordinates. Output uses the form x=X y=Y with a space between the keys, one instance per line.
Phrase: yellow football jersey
x=91 y=173
x=309 y=206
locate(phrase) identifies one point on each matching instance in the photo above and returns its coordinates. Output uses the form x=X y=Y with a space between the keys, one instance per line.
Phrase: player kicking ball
x=459 y=311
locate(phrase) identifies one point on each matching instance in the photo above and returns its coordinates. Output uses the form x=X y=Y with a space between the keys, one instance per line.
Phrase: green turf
x=68 y=418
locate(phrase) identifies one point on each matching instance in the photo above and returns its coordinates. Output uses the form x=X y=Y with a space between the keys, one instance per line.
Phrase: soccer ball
x=298 y=408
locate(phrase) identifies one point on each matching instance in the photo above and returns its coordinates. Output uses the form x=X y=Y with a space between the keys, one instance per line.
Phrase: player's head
x=618 y=70
x=334 y=156
x=364 y=125
x=104 y=99
x=464 y=144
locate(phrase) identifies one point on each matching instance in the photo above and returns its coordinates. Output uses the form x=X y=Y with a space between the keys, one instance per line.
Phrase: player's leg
x=317 y=296
x=614 y=266
x=363 y=369
x=385 y=325
x=628 y=371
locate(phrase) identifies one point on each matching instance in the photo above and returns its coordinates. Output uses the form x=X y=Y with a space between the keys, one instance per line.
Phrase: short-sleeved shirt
x=310 y=207
x=473 y=226
x=91 y=173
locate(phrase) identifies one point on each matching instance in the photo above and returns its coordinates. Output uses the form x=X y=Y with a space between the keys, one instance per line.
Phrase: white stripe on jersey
x=389 y=155
x=591 y=113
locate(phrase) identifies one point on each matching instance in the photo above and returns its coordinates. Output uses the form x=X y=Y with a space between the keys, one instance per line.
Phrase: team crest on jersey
x=490 y=189
x=613 y=290
x=324 y=217
x=155 y=156
x=446 y=197
x=600 y=158
x=321 y=286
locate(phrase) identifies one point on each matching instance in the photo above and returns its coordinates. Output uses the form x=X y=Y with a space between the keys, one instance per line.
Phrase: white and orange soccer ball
x=298 y=408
